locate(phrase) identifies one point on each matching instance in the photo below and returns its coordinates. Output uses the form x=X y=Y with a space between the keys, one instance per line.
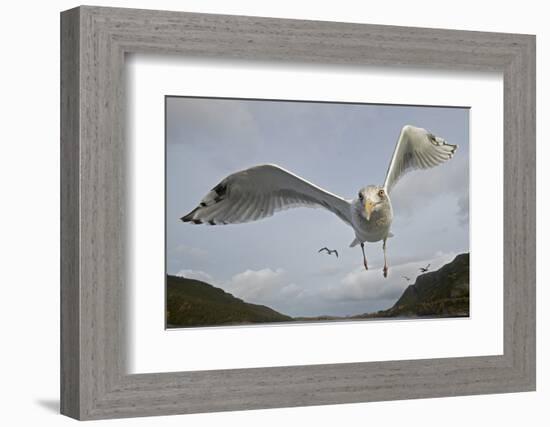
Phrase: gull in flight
x=329 y=251
x=424 y=269
x=260 y=191
x=408 y=279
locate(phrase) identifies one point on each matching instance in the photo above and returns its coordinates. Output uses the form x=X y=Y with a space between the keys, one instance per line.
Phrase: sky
x=339 y=147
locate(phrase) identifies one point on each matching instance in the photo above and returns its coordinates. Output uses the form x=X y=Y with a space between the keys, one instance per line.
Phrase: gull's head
x=372 y=199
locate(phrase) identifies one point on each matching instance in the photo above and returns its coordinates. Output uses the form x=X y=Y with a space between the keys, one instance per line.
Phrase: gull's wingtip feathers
x=216 y=195
x=190 y=217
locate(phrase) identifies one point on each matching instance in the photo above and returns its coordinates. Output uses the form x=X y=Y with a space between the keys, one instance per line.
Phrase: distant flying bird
x=329 y=251
x=408 y=279
x=260 y=191
x=424 y=269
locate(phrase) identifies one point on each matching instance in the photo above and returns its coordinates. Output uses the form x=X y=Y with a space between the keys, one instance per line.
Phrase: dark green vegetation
x=441 y=293
x=195 y=303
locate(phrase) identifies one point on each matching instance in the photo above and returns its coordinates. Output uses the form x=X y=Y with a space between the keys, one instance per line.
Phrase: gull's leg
x=364 y=257
x=385 y=263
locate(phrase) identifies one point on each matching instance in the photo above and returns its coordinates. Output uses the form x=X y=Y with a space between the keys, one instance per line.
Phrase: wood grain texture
x=70 y=314
x=94 y=381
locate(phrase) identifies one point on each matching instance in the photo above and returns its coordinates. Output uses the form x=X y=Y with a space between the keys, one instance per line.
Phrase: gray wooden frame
x=94 y=41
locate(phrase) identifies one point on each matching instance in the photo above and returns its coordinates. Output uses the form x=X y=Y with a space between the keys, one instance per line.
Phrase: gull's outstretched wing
x=259 y=192
x=416 y=148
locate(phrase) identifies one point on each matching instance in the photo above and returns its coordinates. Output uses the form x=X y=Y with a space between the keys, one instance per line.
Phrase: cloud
x=329 y=270
x=360 y=285
x=264 y=286
x=197 y=275
x=422 y=187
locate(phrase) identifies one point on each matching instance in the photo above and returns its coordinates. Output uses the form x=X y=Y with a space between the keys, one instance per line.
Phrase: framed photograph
x=262 y=213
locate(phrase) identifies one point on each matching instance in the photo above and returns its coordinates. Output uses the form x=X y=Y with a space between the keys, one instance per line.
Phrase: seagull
x=329 y=251
x=260 y=191
x=408 y=279
x=424 y=269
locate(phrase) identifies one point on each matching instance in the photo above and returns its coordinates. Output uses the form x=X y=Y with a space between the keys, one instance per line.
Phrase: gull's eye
x=381 y=193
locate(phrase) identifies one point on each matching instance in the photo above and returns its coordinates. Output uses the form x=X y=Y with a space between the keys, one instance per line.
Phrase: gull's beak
x=369 y=206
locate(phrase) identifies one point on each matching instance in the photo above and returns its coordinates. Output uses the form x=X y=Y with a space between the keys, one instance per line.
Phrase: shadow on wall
x=51 y=405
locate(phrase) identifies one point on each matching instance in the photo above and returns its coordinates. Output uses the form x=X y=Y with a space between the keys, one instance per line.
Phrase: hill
x=441 y=293
x=191 y=302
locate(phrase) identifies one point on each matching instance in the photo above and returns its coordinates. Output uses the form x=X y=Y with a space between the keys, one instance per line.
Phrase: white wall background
x=29 y=213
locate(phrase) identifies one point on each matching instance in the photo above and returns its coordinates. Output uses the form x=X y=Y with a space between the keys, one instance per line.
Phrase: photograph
x=298 y=211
